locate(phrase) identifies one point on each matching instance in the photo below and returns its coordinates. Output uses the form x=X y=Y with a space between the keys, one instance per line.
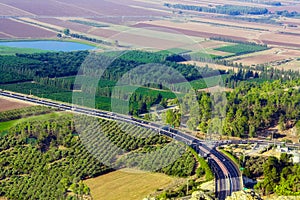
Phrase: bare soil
x=8 y=104
x=21 y=30
x=271 y=56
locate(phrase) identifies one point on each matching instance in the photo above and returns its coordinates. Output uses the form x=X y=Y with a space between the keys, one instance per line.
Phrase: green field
x=240 y=49
x=9 y=124
x=101 y=102
x=102 y=83
x=105 y=102
x=199 y=56
x=174 y=51
x=32 y=88
x=13 y=50
x=205 y=83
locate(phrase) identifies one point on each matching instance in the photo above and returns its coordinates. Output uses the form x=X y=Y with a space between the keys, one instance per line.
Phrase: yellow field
x=293 y=65
x=210 y=65
x=121 y=185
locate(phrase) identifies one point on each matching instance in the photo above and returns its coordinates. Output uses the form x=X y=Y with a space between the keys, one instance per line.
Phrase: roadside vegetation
x=230 y=156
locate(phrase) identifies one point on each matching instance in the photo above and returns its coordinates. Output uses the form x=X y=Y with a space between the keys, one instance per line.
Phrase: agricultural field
x=205 y=83
x=134 y=32
x=273 y=56
x=211 y=65
x=134 y=185
x=12 y=51
x=8 y=10
x=293 y=65
x=280 y=39
x=61 y=24
x=5 y=36
x=102 y=102
x=20 y=30
x=203 y=26
x=240 y=49
x=4 y=126
x=78 y=8
x=9 y=104
x=189 y=29
x=54 y=135
x=247 y=48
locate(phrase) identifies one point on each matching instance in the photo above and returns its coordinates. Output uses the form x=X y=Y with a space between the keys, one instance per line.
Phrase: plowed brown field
x=7 y=104
x=21 y=30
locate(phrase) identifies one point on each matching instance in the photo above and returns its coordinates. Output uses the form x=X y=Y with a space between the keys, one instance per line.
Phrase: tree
x=281 y=123
x=164 y=103
x=173 y=118
x=192 y=123
x=67 y=31
x=297 y=128
x=252 y=131
x=285 y=159
x=142 y=107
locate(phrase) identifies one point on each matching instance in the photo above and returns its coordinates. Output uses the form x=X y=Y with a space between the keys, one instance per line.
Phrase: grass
x=120 y=185
x=7 y=125
x=206 y=82
x=204 y=56
x=13 y=50
x=208 y=173
x=4 y=126
x=240 y=49
x=174 y=51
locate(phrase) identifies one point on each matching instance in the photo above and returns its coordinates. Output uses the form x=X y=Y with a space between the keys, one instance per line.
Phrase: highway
x=227 y=175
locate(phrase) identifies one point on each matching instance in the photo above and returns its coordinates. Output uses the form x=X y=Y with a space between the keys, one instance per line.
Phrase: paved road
x=227 y=175
x=262 y=142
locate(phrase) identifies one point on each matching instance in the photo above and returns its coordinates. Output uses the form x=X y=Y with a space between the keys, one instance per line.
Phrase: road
x=227 y=175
